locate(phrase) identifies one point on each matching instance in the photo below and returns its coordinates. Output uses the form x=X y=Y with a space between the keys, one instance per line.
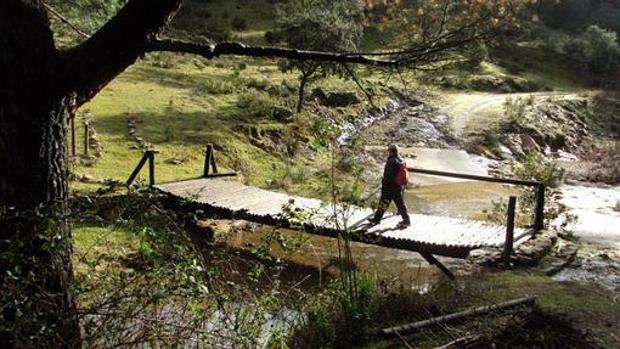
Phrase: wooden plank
x=433 y=232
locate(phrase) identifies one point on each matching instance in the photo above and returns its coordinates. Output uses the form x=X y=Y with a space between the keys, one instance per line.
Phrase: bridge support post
x=86 y=137
x=149 y=156
x=209 y=161
x=151 y=167
x=510 y=229
x=433 y=261
x=539 y=214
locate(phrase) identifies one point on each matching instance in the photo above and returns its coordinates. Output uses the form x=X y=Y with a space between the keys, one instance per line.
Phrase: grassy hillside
x=182 y=103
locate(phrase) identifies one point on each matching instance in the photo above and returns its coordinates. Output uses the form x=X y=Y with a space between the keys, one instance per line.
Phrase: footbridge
x=429 y=235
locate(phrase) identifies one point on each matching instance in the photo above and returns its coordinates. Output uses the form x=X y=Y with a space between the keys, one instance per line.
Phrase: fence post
x=208 y=156
x=510 y=228
x=539 y=215
x=151 y=167
x=136 y=170
x=213 y=164
x=86 y=135
x=73 y=135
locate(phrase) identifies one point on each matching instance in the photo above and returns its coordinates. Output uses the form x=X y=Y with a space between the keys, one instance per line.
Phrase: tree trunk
x=36 y=277
x=302 y=85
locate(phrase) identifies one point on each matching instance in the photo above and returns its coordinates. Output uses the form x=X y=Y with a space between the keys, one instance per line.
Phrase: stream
x=598 y=228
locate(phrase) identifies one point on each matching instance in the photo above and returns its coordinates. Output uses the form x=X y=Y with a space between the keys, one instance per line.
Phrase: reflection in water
x=321 y=254
x=466 y=199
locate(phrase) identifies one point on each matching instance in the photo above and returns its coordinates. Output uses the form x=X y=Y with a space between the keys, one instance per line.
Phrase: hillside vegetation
x=129 y=245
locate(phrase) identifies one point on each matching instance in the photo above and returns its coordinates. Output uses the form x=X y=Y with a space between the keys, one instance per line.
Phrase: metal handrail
x=539 y=187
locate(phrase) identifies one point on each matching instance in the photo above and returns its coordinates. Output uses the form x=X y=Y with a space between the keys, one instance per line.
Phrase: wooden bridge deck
x=430 y=235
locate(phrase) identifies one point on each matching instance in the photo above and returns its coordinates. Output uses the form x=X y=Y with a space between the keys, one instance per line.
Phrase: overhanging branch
x=237 y=49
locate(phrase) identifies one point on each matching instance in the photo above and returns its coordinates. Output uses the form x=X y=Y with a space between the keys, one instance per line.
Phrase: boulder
x=528 y=144
x=504 y=152
x=319 y=94
x=513 y=142
x=341 y=99
x=173 y=161
x=335 y=98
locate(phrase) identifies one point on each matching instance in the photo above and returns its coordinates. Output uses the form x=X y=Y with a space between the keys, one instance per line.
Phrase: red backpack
x=402 y=175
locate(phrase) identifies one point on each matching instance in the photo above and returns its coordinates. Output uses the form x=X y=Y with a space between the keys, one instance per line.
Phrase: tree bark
x=302 y=86
x=34 y=234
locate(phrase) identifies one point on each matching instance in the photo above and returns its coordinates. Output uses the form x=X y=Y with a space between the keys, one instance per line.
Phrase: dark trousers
x=387 y=196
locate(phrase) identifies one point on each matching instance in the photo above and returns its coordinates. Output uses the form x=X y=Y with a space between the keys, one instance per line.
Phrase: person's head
x=393 y=149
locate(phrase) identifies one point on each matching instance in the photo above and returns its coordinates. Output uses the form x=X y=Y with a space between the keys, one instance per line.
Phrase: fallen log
x=462 y=343
x=456 y=316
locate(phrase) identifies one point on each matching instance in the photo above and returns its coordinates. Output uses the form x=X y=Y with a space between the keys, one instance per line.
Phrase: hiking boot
x=373 y=222
x=403 y=224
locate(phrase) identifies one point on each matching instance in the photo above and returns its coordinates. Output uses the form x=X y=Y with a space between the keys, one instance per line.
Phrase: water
x=597 y=211
x=350 y=129
x=465 y=199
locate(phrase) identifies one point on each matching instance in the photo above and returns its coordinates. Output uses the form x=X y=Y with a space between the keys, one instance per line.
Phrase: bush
x=217 y=87
x=536 y=168
x=240 y=23
x=257 y=104
x=595 y=48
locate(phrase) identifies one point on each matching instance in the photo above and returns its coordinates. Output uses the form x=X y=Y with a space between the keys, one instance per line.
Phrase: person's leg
x=384 y=203
x=401 y=206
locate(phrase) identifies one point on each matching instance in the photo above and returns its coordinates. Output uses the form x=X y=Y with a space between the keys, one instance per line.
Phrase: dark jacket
x=392 y=165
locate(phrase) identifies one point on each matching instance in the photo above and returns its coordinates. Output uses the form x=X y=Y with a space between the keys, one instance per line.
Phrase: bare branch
x=91 y=65
x=359 y=84
x=238 y=49
x=65 y=20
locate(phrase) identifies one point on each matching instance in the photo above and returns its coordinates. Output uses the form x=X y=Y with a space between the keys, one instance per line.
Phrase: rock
x=617 y=208
x=318 y=93
x=513 y=142
x=485 y=256
x=528 y=144
x=173 y=161
x=536 y=247
x=109 y=214
x=341 y=99
x=86 y=178
x=504 y=152
x=284 y=91
x=335 y=98
x=282 y=113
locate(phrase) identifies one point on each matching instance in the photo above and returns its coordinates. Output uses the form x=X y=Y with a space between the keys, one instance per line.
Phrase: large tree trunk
x=37 y=82
x=36 y=277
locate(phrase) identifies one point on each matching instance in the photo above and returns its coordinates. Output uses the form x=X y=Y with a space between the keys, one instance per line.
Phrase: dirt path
x=478 y=109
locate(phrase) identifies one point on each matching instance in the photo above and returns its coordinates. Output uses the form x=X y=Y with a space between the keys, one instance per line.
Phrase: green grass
x=194 y=102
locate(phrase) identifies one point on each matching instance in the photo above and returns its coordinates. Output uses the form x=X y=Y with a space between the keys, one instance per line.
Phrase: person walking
x=395 y=177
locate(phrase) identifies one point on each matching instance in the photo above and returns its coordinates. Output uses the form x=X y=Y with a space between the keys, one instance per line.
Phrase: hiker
x=395 y=178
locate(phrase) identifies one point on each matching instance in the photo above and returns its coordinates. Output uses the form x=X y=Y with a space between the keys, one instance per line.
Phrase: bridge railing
x=538 y=187
x=149 y=156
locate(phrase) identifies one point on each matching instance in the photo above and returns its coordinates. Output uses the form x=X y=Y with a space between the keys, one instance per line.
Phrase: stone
x=319 y=94
x=341 y=99
x=513 y=142
x=173 y=161
x=86 y=178
x=282 y=114
x=504 y=152
x=528 y=143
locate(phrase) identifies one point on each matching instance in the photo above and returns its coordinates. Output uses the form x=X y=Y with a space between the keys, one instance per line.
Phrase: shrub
x=256 y=104
x=217 y=87
x=536 y=168
x=240 y=23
